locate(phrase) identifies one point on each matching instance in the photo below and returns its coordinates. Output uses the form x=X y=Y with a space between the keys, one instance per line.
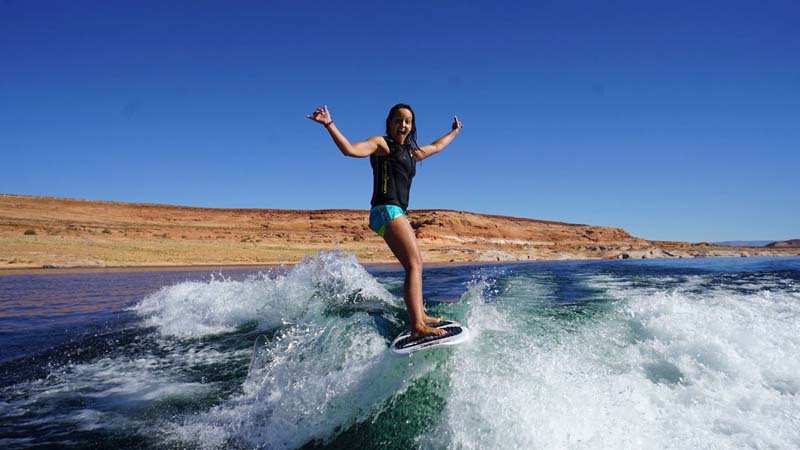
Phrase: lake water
x=650 y=354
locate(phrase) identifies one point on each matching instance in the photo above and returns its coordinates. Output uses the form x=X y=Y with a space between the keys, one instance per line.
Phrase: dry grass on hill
x=40 y=232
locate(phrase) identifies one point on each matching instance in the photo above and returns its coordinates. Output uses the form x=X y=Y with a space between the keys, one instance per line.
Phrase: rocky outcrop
x=791 y=243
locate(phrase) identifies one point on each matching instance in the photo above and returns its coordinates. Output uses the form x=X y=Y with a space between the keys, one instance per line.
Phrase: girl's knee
x=414 y=265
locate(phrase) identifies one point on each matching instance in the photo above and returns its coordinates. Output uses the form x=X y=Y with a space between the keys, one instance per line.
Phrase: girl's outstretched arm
x=439 y=144
x=357 y=150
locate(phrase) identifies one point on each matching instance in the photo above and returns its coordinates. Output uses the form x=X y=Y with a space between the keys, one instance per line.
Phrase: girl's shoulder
x=382 y=143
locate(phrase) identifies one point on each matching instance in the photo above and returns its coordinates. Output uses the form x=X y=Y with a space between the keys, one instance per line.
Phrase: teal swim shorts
x=381 y=215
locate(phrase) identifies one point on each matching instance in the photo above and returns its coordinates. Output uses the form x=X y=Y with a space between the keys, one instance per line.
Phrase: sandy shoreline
x=50 y=234
x=387 y=266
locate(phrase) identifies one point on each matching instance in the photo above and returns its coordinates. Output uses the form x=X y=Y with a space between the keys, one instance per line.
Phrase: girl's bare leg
x=401 y=240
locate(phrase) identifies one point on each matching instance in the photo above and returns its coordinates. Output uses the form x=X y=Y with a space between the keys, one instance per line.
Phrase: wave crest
x=324 y=284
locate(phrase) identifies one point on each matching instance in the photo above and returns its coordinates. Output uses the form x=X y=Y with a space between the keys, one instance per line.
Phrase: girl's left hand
x=457 y=123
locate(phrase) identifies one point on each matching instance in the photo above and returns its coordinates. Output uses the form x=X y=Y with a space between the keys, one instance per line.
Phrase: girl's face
x=400 y=125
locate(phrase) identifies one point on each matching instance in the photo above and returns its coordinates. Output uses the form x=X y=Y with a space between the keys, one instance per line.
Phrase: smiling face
x=400 y=124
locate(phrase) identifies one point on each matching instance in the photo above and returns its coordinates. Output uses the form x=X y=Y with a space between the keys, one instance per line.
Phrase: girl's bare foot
x=422 y=331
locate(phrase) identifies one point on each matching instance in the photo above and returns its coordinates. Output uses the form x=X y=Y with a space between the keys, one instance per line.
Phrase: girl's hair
x=412 y=136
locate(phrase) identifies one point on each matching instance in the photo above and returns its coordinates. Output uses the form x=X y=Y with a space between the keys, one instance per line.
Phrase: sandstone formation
x=38 y=232
x=791 y=243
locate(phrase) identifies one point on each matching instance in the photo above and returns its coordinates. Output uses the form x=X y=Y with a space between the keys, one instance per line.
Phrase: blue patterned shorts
x=381 y=215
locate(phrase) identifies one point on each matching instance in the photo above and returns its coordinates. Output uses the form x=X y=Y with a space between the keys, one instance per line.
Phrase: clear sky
x=675 y=120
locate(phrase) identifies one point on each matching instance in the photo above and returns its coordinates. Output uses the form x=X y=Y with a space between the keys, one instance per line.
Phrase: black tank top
x=392 y=175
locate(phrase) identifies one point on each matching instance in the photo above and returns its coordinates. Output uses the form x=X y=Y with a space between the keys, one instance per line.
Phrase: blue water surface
x=678 y=353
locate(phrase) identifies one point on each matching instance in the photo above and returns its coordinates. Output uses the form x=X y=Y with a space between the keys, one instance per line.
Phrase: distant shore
x=379 y=266
x=51 y=233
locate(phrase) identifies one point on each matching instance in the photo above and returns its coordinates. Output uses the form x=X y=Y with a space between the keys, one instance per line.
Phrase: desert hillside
x=790 y=243
x=38 y=232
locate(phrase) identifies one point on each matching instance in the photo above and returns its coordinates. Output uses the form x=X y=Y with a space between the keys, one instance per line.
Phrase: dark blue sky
x=674 y=120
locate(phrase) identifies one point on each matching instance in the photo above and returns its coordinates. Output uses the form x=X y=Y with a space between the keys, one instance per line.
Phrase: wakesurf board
x=455 y=334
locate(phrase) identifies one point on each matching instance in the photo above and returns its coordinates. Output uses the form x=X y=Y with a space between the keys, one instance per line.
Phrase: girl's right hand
x=321 y=116
x=457 y=123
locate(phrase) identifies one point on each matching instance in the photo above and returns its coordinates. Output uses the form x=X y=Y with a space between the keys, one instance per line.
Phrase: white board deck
x=456 y=334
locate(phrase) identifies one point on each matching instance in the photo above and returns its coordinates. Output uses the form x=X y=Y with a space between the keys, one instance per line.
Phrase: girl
x=394 y=160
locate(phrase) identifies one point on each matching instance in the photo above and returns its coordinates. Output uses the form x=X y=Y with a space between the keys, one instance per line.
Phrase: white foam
x=326 y=368
x=193 y=309
x=663 y=369
x=309 y=383
x=111 y=392
x=112 y=383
